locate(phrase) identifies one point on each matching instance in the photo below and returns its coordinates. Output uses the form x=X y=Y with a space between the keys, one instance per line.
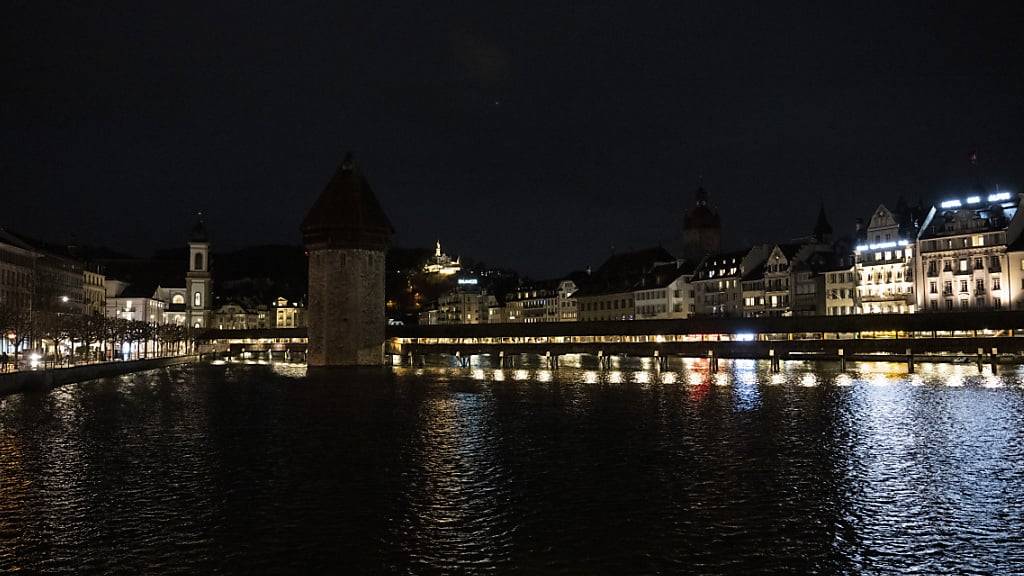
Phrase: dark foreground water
x=255 y=469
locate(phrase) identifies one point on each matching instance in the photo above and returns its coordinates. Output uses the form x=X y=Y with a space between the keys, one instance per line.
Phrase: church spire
x=822 y=229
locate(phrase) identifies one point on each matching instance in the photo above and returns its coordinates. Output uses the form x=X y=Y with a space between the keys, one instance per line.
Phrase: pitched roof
x=347 y=213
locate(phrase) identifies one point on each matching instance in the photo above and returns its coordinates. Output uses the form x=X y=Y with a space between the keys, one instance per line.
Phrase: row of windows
x=652 y=295
x=14 y=278
x=965 y=303
x=964 y=265
x=976 y=240
x=607 y=305
x=979 y=286
x=837 y=277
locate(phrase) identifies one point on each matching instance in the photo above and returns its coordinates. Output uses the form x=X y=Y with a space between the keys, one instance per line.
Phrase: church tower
x=702 y=228
x=198 y=280
x=346 y=233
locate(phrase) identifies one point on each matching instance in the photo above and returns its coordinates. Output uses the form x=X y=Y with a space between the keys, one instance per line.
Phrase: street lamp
x=64 y=299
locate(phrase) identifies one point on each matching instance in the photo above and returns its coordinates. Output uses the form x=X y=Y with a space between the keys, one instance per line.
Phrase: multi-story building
x=602 y=304
x=288 y=314
x=963 y=261
x=665 y=292
x=752 y=287
x=129 y=303
x=841 y=290
x=544 y=301
x=234 y=316
x=17 y=273
x=466 y=304
x=885 y=264
x=717 y=281
x=175 y=312
x=93 y=285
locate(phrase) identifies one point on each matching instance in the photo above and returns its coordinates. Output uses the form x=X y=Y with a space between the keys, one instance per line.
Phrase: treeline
x=89 y=338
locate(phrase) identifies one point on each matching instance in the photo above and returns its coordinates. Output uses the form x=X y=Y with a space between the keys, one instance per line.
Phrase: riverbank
x=41 y=379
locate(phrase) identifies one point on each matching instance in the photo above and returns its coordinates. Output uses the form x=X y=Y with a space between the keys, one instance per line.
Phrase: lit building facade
x=94 y=291
x=545 y=301
x=288 y=314
x=441 y=264
x=886 y=265
x=841 y=291
x=717 y=281
x=665 y=292
x=198 y=281
x=964 y=258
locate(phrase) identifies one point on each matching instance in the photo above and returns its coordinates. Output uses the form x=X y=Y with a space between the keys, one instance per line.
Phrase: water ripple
x=239 y=469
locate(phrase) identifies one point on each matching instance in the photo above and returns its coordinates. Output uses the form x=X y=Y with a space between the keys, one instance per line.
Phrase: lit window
x=197 y=300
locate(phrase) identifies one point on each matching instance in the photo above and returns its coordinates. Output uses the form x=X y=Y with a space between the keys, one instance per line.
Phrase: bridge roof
x=794 y=325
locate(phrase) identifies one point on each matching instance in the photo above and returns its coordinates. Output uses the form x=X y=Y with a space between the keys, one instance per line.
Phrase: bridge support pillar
x=712 y=362
x=910 y=361
x=981 y=359
x=842 y=360
x=774 y=365
x=501 y=359
x=995 y=361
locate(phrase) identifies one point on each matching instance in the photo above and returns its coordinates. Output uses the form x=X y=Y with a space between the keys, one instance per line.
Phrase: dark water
x=251 y=469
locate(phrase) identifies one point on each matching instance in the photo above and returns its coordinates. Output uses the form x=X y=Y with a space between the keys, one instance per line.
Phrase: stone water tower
x=346 y=234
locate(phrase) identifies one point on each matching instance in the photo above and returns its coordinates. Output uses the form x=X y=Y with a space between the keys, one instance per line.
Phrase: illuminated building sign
x=882 y=245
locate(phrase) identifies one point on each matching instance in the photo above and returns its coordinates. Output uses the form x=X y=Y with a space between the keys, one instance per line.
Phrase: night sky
x=531 y=136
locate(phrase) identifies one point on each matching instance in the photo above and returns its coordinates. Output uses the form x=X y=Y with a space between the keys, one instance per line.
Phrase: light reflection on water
x=242 y=468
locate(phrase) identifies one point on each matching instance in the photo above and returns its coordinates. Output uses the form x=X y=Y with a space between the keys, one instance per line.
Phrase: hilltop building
x=441 y=264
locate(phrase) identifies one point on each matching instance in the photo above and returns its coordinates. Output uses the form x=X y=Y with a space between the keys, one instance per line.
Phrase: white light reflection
x=668 y=378
x=993 y=381
x=521 y=375
x=499 y=375
x=544 y=375
x=721 y=379
x=880 y=380
x=695 y=378
x=808 y=380
x=590 y=377
x=777 y=379
x=641 y=377
x=615 y=377
x=955 y=380
x=479 y=374
x=844 y=380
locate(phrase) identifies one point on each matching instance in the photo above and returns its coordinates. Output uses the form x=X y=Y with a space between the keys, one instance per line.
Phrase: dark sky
x=534 y=136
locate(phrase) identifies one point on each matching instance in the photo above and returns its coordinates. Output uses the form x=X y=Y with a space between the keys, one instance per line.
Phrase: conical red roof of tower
x=347 y=214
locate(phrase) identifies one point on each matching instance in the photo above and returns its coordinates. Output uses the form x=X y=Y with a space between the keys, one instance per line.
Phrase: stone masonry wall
x=346 y=307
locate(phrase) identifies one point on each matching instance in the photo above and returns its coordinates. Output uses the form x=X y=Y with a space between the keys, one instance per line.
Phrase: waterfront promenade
x=45 y=378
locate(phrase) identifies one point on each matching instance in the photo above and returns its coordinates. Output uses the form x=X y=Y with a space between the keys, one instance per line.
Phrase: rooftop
x=347 y=213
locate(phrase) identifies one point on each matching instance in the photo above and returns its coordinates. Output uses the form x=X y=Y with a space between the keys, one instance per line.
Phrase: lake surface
x=242 y=469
